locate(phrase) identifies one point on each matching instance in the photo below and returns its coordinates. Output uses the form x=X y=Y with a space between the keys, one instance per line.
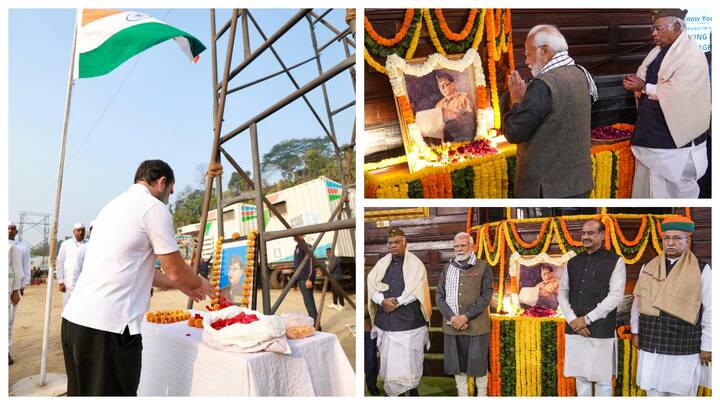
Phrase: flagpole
x=56 y=212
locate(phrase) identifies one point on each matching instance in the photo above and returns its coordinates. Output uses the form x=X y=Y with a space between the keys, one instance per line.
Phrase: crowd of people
x=671 y=317
x=549 y=117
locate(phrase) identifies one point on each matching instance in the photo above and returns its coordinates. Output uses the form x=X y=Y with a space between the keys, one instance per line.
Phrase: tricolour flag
x=107 y=38
x=334 y=190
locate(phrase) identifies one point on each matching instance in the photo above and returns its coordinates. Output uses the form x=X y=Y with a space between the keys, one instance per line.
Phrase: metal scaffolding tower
x=341 y=217
x=34 y=223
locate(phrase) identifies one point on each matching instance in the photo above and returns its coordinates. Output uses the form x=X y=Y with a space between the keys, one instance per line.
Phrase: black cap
x=668 y=12
x=395 y=231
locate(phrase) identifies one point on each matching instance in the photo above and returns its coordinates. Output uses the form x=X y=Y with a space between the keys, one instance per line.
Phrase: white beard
x=461 y=257
x=535 y=69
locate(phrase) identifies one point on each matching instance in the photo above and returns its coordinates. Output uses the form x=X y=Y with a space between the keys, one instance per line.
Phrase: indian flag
x=107 y=38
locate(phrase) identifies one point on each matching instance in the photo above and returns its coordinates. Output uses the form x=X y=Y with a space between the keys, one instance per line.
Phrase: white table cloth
x=174 y=364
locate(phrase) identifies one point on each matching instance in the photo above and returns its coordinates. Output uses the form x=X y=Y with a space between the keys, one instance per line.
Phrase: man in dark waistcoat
x=549 y=120
x=672 y=87
x=463 y=296
x=400 y=310
x=590 y=291
x=671 y=316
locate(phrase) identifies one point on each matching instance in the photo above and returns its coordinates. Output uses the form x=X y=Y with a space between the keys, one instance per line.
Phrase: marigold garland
x=492 y=51
x=640 y=232
x=405 y=109
x=626 y=165
x=510 y=52
x=566 y=233
x=494 y=369
x=373 y=63
x=493 y=173
x=398 y=36
x=415 y=40
x=480 y=30
x=529 y=245
x=448 y=32
x=431 y=32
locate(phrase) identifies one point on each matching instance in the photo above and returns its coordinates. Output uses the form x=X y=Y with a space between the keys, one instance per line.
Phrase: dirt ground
x=28 y=330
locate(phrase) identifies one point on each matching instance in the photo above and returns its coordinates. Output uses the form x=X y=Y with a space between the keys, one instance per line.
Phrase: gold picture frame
x=396 y=214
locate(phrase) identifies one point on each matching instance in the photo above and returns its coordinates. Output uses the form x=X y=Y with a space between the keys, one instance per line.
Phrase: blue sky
x=157 y=105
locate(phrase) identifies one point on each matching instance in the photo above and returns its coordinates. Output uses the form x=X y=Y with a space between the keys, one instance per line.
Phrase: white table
x=174 y=364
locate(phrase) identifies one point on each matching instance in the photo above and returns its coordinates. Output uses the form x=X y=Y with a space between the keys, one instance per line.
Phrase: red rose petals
x=242 y=318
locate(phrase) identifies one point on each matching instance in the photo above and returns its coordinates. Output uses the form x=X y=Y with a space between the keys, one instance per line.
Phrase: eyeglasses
x=675 y=239
x=657 y=28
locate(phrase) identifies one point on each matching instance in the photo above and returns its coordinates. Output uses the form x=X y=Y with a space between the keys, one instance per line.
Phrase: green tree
x=188 y=206
x=238 y=185
x=287 y=157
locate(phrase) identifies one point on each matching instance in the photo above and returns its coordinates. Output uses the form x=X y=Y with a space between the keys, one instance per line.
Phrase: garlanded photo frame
x=439 y=100
x=237 y=269
x=528 y=287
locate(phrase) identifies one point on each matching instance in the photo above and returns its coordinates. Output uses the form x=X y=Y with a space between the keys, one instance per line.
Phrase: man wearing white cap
x=14 y=279
x=80 y=256
x=24 y=250
x=65 y=264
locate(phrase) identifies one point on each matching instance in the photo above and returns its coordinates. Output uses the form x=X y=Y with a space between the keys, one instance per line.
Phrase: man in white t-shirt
x=65 y=263
x=101 y=339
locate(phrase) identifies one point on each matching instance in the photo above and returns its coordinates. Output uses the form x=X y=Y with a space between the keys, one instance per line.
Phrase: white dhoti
x=593 y=359
x=672 y=374
x=668 y=173
x=401 y=358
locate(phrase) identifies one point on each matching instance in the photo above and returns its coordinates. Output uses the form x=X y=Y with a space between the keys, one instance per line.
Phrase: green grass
x=429 y=387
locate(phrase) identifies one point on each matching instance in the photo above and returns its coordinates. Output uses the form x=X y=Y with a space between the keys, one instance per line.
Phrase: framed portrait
x=439 y=100
x=237 y=272
x=535 y=280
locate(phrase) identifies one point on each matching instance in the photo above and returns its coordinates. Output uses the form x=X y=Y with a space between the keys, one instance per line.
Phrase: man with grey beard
x=463 y=296
x=549 y=120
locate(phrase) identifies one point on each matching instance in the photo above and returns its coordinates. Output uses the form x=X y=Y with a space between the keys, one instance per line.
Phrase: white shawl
x=683 y=89
x=414 y=276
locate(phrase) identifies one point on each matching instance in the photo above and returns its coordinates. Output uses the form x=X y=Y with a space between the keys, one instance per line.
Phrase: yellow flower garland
x=504 y=238
x=480 y=30
x=375 y=64
x=431 y=32
x=414 y=41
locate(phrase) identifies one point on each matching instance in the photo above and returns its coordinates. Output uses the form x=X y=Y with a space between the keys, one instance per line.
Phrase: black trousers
x=308 y=299
x=100 y=363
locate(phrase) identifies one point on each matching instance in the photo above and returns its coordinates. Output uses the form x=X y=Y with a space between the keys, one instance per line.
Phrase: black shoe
x=414 y=392
x=10 y=360
x=374 y=391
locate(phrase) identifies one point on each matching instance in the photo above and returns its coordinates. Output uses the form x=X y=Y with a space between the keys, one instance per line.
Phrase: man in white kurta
x=80 y=257
x=400 y=309
x=66 y=258
x=590 y=291
x=673 y=112
x=14 y=284
x=671 y=316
